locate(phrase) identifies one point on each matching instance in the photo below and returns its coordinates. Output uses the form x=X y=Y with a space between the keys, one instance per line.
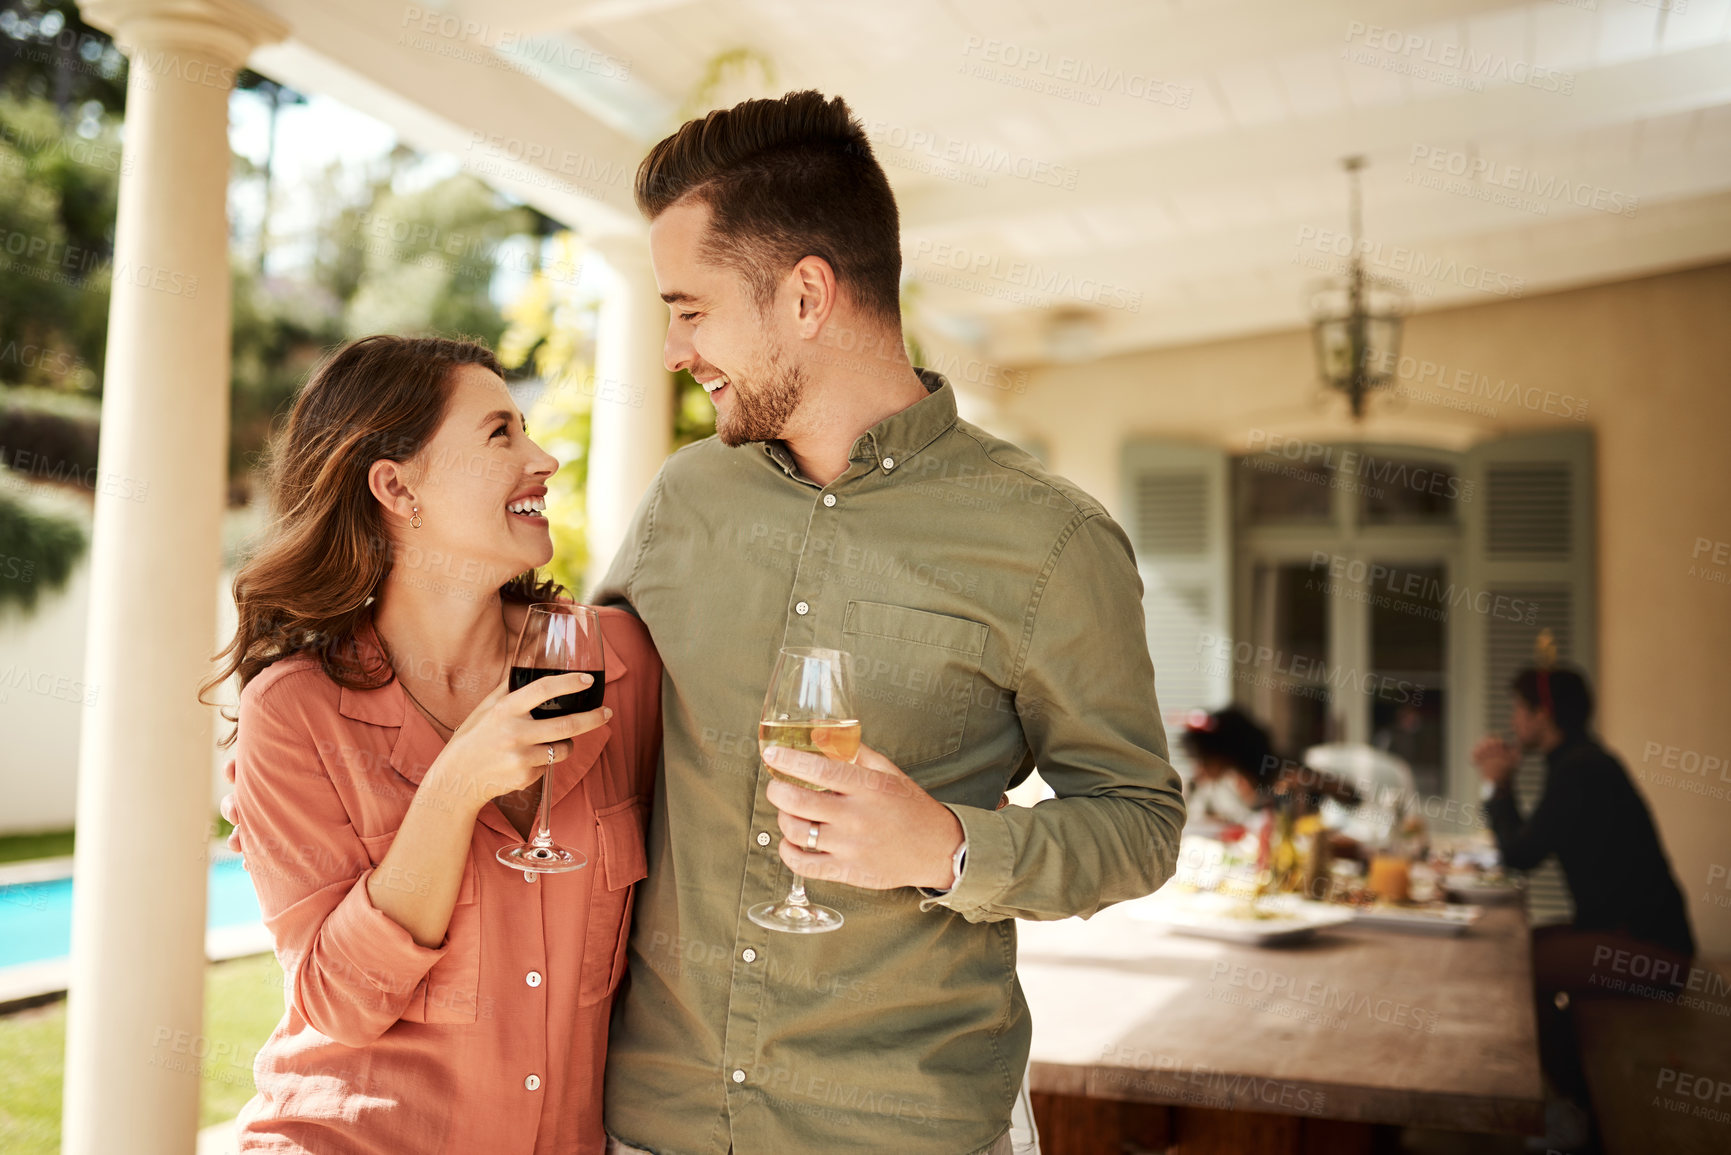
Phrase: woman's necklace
x=404 y=682
x=424 y=709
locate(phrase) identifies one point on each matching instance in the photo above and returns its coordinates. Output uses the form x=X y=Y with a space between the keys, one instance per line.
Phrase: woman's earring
x=415 y=520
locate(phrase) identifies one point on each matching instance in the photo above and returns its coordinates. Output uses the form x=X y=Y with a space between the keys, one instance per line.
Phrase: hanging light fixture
x=1357 y=321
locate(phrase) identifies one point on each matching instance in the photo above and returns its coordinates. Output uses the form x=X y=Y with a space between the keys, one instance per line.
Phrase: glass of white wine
x=809 y=707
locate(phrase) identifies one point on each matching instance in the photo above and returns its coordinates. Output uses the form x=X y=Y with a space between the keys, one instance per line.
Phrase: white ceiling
x=1171 y=169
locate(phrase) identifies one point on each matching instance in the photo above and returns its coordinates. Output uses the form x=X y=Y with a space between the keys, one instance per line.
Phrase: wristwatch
x=957 y=862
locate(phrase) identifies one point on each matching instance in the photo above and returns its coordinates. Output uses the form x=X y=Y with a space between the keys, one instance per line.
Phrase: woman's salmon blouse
x=494 y=1041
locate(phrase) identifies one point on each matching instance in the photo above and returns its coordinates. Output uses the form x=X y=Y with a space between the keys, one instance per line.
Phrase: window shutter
x=1530 y=542
x=1178 y=520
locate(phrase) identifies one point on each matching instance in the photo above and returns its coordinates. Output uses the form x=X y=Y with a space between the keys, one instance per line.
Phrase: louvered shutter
x=1530 y=542
x=1177 y=517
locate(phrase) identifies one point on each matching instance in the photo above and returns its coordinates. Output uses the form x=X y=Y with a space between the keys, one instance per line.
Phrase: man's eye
x=686 y=316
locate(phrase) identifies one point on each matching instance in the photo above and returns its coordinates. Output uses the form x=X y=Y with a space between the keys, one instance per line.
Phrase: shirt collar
x=388 y=705
x=897 y=437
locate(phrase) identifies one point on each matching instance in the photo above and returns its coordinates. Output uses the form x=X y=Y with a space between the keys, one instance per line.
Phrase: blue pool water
x=36 y=917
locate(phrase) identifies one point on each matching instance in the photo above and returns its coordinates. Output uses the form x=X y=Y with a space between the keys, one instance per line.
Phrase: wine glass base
x=794 y=918
x=534 y=859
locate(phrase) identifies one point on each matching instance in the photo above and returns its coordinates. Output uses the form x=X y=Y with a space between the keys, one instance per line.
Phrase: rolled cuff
x=991 y=859
x=362 y=970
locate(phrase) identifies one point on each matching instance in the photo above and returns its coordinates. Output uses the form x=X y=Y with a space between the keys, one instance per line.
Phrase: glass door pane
x=1283 y=674
x=1408 y=605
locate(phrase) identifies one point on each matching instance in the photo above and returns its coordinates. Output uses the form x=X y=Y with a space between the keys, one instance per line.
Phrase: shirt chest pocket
x=915 y=674
x=451 y=991
x=612 y=889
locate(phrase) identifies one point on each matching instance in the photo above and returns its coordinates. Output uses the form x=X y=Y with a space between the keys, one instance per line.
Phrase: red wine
x=579 y=703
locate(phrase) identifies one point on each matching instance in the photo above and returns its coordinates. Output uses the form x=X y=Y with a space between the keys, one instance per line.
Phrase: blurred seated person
x=1591 y=817
x=1237 y=772
x=1234 y=765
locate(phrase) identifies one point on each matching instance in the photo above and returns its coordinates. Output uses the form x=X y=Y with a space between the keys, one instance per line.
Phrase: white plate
x=1449 y=920
x=1207 y=916
x=1483 y=893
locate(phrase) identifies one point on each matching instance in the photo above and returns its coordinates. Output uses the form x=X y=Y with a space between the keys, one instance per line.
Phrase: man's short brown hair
x=784 y=179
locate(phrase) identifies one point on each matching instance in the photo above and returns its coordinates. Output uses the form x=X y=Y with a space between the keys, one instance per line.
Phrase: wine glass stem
x=796 y=896
x=543 y=815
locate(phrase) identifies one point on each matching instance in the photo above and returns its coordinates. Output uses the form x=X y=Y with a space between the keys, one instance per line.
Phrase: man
x=1597 y=824
x=993 y=616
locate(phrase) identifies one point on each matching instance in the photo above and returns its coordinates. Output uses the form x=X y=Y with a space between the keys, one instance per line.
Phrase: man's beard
x=761 y=413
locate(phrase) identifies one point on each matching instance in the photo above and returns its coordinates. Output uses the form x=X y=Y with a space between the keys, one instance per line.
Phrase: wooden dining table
x=1145 y=1039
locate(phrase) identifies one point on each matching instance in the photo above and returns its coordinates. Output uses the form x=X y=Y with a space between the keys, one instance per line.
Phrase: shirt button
x=533 y=978
x=829 y=500
x=738 y=1076
x=748 y=955
x=801 y=608
x=762 y=838
x=889 y=463
x=533 y=1082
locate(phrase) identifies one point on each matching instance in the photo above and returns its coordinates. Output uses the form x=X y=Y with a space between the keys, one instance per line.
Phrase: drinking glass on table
x=557 y=639
x=809 y=707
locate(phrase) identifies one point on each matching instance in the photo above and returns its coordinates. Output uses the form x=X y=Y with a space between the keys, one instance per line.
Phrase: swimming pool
x=36 y=917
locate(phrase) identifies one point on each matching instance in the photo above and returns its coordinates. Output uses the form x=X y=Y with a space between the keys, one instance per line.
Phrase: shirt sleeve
x=1524 y=845
x=616 y=588
x=1087 y=707
x=349 y=969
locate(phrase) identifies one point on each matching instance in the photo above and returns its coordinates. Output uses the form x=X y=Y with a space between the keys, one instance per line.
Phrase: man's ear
x=389 y=482
x=815 y=291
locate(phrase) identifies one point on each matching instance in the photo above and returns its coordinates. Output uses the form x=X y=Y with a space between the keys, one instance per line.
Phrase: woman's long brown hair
x=328 y=550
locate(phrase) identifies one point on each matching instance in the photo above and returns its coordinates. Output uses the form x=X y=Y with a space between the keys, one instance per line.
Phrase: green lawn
x=242 y=1003
x=46 y=844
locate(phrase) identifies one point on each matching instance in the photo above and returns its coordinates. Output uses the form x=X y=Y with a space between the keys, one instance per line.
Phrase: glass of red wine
x=557 y=638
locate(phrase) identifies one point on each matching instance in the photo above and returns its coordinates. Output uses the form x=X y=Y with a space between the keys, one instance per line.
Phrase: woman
x=436 y=999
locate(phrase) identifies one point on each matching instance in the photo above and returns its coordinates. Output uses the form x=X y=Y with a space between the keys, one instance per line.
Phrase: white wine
x=832 y=739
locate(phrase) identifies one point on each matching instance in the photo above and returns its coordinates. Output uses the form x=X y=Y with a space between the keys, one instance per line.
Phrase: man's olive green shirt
x=994 y=618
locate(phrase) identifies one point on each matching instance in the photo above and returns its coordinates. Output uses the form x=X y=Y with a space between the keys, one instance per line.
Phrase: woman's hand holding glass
x=500 y=748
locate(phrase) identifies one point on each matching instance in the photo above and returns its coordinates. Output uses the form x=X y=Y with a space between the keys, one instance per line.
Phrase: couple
x=439 y=1001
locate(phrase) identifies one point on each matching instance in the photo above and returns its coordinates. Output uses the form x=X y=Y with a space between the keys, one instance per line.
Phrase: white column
x=135 y=1014
x=631 y=428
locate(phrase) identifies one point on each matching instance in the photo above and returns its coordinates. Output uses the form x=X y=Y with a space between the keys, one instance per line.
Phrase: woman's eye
x=506 y=429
